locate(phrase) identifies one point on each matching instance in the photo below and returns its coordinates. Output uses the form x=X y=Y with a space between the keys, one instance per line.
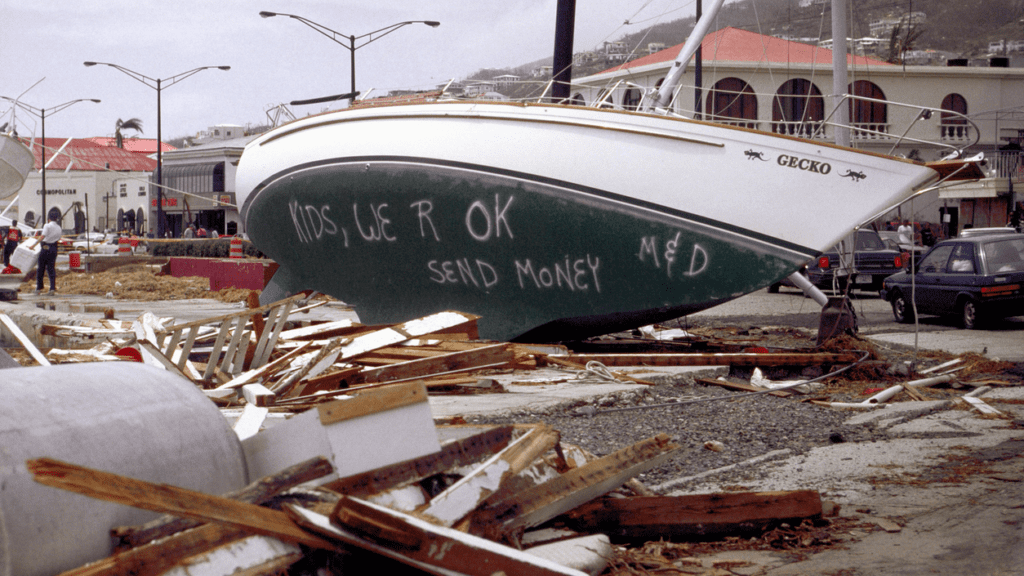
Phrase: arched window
x=129 y=220
x=55 y=212
x=954 y=126
x=604 y=99
x=577 y=100
x=120 y=220
x=732 y=101
x=140 y=220
x=631 y=99
x=30 y=218
x=79 y=222
x=797 y=108
x=868 y=118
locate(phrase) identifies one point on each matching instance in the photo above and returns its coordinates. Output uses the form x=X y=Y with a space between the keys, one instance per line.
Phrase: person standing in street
x=48 y=255
x=11 y=242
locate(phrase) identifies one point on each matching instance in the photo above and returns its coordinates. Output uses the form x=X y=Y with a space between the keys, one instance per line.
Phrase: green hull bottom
x=538 y=260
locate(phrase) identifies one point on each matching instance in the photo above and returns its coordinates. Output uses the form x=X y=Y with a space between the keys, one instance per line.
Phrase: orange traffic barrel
x=124 y=246
x=236 y=247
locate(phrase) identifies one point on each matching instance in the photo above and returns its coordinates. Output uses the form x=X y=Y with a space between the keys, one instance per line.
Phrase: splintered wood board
x=438 y=550
x=728 y=513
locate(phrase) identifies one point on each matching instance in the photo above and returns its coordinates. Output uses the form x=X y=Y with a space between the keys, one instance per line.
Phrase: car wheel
x=969 y=317
x=901 y=309
x=774 y=288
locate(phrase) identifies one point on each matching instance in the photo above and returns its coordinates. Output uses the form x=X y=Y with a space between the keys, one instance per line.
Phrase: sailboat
x=552 y=222
x=16 y=161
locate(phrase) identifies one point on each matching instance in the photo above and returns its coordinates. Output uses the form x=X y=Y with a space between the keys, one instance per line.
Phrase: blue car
x=976 y=279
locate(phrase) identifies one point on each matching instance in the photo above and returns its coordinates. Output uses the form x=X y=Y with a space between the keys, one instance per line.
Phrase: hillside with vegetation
x=962 y=29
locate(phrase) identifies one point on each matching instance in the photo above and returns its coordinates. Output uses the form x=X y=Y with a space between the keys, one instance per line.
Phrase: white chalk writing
x=377 y=232
x=460 y=271
x=312 y=223
x=493 y=226
x=423 y=208
x=699 y=259
x=571 y=274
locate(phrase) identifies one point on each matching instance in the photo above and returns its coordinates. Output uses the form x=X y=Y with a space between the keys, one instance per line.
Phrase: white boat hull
x=418 y=202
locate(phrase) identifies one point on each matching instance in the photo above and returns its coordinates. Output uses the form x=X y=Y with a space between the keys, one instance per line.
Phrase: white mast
x=839 y=78
x=668 y=87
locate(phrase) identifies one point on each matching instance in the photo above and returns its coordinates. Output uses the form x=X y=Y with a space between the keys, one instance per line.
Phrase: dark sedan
x=867 y=265
x=977 y=279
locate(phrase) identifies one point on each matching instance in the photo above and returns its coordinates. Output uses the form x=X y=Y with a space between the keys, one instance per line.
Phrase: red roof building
x=145 y=146
x=735 y=45
x=86 y=154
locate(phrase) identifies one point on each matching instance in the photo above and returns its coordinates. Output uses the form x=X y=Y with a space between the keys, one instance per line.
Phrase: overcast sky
x=273 y=60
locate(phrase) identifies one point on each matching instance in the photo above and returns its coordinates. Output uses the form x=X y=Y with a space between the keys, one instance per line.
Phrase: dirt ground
x=138 y=282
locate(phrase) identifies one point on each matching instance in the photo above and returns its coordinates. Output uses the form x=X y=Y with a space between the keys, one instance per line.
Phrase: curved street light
x=41 y=113
x=158 y=84
x=351 y=46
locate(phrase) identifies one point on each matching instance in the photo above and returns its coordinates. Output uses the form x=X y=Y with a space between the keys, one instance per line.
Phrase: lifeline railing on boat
x=954 y=132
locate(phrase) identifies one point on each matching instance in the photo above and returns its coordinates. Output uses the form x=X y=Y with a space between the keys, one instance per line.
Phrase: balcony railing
x=956 y=133
x=1005 y=164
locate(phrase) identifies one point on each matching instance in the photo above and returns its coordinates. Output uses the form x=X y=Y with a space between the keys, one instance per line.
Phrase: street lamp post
x=157 y=84
x=41 y=113
x=351 y=46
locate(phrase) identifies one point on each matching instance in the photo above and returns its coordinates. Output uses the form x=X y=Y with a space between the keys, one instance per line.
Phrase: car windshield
x=1004 y=255
x=869 y=241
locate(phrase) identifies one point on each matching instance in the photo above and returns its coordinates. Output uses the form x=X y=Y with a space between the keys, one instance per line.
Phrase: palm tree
x=130 y=124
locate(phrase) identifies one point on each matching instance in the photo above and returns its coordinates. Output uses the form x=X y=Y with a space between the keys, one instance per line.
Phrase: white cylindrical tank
x=120 y=417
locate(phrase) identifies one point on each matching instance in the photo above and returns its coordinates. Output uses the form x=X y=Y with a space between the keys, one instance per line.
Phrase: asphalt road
x=1002 y=339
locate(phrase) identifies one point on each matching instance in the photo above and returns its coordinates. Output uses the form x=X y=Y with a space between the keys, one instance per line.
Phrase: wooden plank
x=442 y=547
x=23 y=339
x=487 y=480
x=431 y=324
x=161 y=360
x=714 y=359
x=251 y=420
x=680 y=517
x=266 y=344
x=258 y=395
x=157 y=558
x=172 y=500
x=211 y=365
x=250 y=556
x=320 y=361
x=577 y=486
x=325 y=382
x=477 y=356
x=452 y=454
x=373 y=401
x=264 y=371
x=322 y=330
x=742 y=386
x=256 y=492
x=247 y=313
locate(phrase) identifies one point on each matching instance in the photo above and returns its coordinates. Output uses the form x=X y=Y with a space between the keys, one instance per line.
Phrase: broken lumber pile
x=470 y=508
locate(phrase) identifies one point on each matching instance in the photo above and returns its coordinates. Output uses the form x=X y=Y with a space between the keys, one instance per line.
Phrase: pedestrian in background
x=11 y=242
x=48 y=255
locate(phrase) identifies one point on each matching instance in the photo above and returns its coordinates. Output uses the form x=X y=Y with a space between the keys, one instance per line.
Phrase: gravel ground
x=746 y=425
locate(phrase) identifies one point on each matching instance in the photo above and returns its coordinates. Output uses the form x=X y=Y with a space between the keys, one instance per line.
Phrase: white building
x=770 y=84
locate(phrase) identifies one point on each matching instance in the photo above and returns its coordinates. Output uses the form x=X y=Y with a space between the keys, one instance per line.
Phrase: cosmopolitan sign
x=58 y=192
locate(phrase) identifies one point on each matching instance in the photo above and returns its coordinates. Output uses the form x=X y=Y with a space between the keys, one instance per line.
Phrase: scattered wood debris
x=333 y=476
